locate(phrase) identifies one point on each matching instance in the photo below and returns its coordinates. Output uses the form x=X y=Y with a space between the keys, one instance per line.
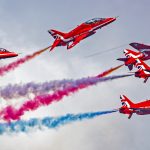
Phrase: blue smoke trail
x=48 y=122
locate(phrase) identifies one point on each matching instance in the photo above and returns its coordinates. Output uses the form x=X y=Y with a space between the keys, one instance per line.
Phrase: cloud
x=24 y=26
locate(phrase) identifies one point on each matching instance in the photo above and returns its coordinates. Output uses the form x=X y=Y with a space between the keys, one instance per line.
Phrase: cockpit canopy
x=3 y=50
x=94 y=20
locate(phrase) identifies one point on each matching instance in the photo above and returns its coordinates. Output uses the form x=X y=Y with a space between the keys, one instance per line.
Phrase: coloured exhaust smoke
x=18 y=90
x=10 y=113
x=18 y=62
x=48 y=122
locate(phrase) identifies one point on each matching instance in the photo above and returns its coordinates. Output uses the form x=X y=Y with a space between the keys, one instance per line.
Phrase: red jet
x=6 y=54
x=131 y=57
x=143 y=70
x=128 y=107
x=81 y=32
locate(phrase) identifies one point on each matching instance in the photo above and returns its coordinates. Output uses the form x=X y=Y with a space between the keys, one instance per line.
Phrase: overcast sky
x=23 y=29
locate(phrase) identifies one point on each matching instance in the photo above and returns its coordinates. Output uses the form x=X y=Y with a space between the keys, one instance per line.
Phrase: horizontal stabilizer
x=122 y=59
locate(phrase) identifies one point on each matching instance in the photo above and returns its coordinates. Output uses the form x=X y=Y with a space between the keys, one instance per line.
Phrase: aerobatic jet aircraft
x=131 y=57
x=79 y=33
x=128 y=107
x=6 y=54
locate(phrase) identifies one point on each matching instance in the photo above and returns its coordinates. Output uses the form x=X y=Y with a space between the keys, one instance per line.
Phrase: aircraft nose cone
x=14 y=54
x=112 y=19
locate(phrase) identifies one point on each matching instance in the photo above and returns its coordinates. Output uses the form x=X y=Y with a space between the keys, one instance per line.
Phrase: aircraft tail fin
x=126 y=101
x=127 y=106
x=139 y=46
x=56 y=33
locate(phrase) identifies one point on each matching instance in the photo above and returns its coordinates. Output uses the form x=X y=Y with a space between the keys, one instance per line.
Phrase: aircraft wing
x=79 y=38
x=141 y=111
x=146 y=53
x=140 y=47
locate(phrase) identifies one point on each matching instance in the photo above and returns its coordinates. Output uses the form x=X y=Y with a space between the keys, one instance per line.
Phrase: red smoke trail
x=17 y=90
x=20 y=61
x=107 y=72
x=10 y=113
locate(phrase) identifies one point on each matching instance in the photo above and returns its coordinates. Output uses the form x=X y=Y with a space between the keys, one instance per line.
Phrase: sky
x=23 y=29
